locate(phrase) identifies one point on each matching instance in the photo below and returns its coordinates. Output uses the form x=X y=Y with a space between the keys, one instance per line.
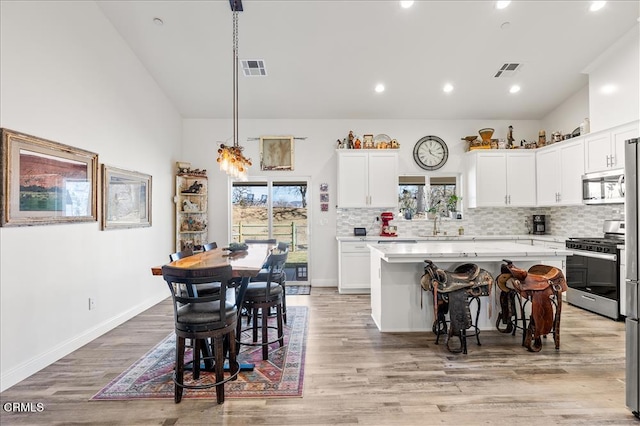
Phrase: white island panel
x=396 y=270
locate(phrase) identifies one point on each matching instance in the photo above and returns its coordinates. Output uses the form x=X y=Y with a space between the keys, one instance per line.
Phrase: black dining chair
x=259 y=298
x=181 y=254
x=280 y=277
x=200 y=318
x=210 y=246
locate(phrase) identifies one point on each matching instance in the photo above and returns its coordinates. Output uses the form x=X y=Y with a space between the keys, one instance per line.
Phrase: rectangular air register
x=508 y=70
x=253 y=68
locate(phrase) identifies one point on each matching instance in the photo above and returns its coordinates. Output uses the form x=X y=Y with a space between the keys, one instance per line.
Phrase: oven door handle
x=595 y=255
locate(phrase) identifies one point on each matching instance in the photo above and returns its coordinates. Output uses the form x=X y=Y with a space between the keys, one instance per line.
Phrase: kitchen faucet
x=435 y=225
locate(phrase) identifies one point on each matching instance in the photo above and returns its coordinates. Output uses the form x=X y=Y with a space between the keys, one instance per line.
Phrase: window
x=416 y=198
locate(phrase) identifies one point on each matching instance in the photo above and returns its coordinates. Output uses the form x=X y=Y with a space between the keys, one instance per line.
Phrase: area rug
x=282 y=375
x=297 y=290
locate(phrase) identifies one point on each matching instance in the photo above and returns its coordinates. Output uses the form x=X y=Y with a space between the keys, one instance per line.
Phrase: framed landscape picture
x=46 y=182
x=276 y=153
x=126 y=199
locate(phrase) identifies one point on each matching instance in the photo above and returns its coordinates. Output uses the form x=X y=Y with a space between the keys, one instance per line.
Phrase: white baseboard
x=33 y=365
x=324 y=283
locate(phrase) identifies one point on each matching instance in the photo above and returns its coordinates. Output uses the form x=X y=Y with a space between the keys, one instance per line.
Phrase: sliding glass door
x=274 y=208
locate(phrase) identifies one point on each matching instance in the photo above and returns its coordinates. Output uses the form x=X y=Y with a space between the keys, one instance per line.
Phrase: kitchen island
x=396 y=269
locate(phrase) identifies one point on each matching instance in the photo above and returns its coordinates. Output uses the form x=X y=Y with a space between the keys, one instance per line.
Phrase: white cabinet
x=605 y=150
x=191 y=212
x=501 y=178
x=367 y=178
x=353 y=267
x=559 y=170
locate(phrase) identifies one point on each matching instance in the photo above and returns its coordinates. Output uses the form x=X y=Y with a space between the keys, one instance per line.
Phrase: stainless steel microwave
x=603 y=187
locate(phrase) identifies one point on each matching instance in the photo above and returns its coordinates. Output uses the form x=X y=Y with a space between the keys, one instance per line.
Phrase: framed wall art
x=46 y=182
x=126 y=199
x=276 y=153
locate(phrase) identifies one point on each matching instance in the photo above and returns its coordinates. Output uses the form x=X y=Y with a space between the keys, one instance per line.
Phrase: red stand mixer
x=387 y=230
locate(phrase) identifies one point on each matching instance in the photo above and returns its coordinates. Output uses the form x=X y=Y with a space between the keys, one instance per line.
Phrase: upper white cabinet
x=559 y=170
x=501 y=178
x=605 y=150
x=367 y=178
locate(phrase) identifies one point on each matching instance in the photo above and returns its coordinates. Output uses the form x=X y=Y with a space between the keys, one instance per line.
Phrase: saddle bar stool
x=453 y=292
x=259 y=298
x=200 y=318
x=440 y=326
x=541 y=286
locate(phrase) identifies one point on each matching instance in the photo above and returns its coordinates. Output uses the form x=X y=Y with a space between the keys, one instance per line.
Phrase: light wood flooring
x=356 y=375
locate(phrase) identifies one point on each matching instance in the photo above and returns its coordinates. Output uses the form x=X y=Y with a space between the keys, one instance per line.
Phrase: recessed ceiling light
x=608 y=89
x=514 y=89
x=406 y=4
x=379 y=88
x=447 y=88
x=158 y=21
x=502 y=4
x=597 y=5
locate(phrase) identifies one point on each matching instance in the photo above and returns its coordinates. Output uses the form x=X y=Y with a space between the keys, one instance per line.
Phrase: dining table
x=245 y=264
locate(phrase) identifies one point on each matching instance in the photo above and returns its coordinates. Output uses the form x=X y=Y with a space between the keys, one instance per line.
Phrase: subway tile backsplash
x=576 y=221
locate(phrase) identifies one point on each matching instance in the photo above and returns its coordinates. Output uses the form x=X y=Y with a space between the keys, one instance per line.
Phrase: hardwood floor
x=356 y=375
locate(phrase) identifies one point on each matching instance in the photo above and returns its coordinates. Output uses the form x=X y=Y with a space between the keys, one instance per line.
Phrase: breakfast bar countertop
x=463 y=250
x=418 y=238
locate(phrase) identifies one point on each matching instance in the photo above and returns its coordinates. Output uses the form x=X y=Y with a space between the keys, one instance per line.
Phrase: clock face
x=430 y=153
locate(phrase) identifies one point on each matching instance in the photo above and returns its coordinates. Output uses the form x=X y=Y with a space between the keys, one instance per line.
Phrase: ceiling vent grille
x=253 y=68
x=508 y=70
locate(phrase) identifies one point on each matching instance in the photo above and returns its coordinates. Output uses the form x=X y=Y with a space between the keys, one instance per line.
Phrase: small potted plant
x=452 y=205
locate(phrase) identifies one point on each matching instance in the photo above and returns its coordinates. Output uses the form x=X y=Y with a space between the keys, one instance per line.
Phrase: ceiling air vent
x=508 y=70
x=253 y=68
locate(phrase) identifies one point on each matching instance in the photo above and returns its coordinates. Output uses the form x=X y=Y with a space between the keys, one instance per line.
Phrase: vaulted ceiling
x=324 y=58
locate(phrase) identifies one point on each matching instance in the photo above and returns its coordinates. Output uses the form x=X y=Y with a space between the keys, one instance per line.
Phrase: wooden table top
x=244 y=263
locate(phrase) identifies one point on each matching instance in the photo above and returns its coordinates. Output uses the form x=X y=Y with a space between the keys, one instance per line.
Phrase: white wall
x=67 y=76
x=569 y=114
x=618 y=66
x=315 y=158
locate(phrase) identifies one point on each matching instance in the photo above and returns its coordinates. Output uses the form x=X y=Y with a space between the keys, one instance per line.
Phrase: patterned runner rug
x=297 y=290
x=151 y=377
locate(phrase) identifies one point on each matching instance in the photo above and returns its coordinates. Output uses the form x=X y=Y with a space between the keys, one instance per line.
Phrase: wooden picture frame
x=276 y=153
x=126 y=199
x=46 y=182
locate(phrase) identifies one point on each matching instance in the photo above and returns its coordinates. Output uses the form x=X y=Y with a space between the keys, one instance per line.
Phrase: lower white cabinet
x=354 y=266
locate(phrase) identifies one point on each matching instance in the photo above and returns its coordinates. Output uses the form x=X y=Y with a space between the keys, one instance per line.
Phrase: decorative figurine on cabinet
x=510 y=139
x=188 y=206
x=193 y=189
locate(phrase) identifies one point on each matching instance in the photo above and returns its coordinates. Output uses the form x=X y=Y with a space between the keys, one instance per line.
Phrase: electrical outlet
x=92 y=303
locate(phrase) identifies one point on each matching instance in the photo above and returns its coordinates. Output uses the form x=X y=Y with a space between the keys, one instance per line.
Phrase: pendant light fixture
x=230 y=157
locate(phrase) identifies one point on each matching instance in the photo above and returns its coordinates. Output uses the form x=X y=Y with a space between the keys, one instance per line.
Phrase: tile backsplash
x=576 y=221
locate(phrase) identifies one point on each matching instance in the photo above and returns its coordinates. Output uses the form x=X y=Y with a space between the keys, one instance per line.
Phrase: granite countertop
x=418 y=238
x=456 y=250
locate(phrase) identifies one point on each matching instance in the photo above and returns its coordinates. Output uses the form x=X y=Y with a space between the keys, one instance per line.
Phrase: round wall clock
x=430 y=153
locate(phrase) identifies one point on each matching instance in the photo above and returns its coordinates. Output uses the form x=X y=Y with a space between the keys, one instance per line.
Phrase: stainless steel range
x=593 y=272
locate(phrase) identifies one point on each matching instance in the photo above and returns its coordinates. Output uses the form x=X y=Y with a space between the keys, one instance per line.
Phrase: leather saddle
x=542 y=285
x=450 y=292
